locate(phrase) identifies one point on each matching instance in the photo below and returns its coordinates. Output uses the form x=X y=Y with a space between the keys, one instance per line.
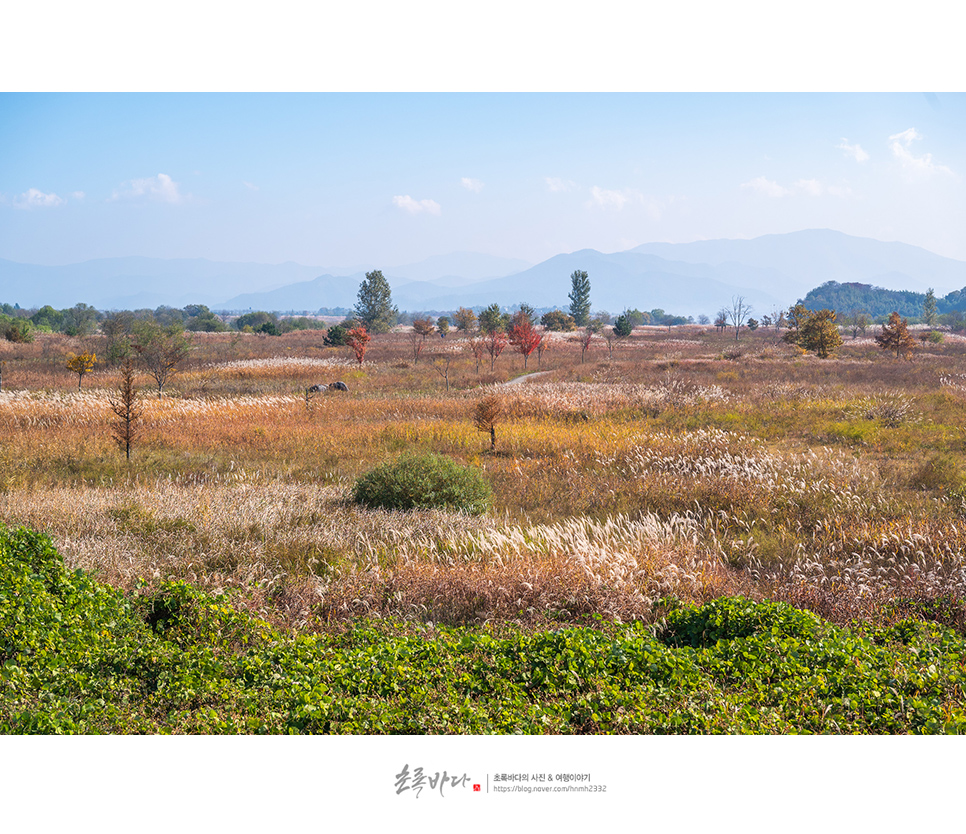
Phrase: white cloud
x=813 y=188
x=767 y=187
x=407 y=203
x=77 y=195
x=471 y=184
x=605 y=198
x=855 y=151
x=35 y=198
x=803 y=187
x=915 y=165
x=250 y=185
x=557 y=184
x=161 y=188
x=839 y=190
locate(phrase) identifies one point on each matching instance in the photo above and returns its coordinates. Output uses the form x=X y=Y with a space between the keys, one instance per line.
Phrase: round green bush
x=424 y=482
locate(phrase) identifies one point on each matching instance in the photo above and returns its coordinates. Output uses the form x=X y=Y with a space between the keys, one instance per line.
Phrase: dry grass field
x=686 y=464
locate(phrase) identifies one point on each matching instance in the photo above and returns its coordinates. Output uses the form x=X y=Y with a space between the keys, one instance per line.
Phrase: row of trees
x=376 y=312
x=82 y=320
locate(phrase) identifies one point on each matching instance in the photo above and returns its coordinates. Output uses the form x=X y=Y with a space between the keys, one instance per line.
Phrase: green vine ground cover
x=81 y=657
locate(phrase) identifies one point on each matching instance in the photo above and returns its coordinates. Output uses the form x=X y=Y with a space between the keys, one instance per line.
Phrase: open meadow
x=630 y=492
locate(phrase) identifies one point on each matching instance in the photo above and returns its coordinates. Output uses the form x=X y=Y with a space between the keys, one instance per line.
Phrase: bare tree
x=125 y=405
x=738 y=313
x=477 y=346
x=441 y=363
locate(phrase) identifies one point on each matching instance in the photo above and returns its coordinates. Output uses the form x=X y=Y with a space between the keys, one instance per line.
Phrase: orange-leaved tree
x=358 y=339
x=896 y=336
x=486 y=414
x=421 y=329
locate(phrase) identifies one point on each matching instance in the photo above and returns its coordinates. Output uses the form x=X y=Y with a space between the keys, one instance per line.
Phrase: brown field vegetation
x=687 y=465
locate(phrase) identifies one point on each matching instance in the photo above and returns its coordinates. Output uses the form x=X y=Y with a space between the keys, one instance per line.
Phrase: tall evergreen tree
x=580 y=298
x=930 y=312
x=374 y=307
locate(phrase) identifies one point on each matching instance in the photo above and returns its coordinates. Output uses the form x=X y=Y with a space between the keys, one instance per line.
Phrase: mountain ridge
x=684 y=278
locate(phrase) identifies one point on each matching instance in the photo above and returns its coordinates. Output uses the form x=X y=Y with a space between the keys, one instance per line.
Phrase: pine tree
x=930 y=313
x=374 y=307
x=820 y=333
x=580 y=298
x=896 y=336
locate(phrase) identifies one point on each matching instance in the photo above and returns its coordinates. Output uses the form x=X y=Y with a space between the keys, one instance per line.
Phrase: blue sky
x=350 y=178
x=354 y=178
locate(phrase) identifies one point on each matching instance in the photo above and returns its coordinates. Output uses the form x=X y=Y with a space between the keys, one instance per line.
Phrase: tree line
x=878 y=303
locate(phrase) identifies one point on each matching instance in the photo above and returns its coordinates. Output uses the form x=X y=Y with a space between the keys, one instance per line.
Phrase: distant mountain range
x=681 y=278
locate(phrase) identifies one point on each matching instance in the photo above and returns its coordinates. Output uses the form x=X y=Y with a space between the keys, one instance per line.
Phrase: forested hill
x=876 y=301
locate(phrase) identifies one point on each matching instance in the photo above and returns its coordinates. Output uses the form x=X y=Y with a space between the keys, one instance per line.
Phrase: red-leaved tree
x=525 y=338
x=495 y=343
x=358 y=339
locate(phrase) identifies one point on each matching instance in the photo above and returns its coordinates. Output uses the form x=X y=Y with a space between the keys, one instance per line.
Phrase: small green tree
x=374 y=307
x=620 y=330
x=492 y=320
x=19 y=330
x=623 y=327
x=558 y=320
x=160 y=349
x=580 y=298
x=816 y=331
x=335 y=336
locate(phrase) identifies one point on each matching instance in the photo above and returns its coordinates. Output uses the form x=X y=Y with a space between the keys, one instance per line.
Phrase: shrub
x=423 y=482
x=20 y=331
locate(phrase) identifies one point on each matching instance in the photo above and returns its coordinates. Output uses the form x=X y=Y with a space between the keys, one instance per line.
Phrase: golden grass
x=682 y=466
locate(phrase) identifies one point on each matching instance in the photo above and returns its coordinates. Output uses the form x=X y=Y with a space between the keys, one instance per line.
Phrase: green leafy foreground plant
x=80 y=657
x=413 y=482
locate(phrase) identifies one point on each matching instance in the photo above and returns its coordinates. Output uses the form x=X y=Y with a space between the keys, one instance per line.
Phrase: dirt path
x=521 y=379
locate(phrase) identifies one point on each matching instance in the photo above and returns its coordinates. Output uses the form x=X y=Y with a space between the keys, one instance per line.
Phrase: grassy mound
x=79 y=657
x=423 y=482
